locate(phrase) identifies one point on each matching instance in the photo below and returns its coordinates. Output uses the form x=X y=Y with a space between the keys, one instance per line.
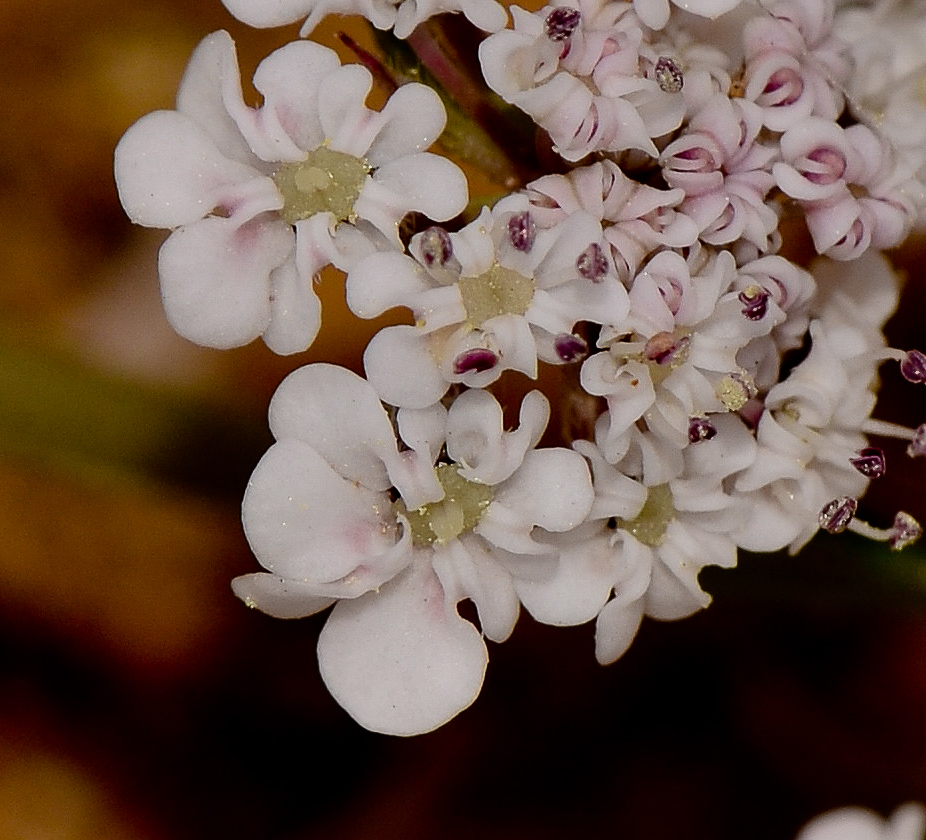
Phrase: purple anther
x=522 y=231
x=917 y=447
x=700 y=428
x=475 y=360
x=592 y=264
x=913 y=367
x=755 y=302
x=905 y=531
x=561 y=23
x=664 y=348
x=570 y=348
x=836 y=516
x=668 y=75
x=870 y=462
x=436 y=247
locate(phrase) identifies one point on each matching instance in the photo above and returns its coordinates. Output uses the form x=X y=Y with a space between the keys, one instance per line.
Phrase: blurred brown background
x=139 y=699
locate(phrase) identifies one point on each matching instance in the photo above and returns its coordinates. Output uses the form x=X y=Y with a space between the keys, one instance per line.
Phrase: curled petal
x=413 y=119
x=477 y=441
x=295 y=312
x=279 y=596
x=401 y=661
x=617 y=625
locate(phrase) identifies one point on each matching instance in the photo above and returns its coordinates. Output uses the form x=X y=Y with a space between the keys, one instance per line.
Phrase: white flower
x=645 y=543
x=402 y=15
x=335 y=512
x=587 y=75
x=813 y=419
x=261 y=199
x=495 y=296
x=908 y=822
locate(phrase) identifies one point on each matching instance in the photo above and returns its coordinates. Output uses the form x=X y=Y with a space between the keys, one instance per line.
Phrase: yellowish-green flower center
x=654 y=519
x=326 y=181
x=460 y=510
x=734 y=391
x=498 y=291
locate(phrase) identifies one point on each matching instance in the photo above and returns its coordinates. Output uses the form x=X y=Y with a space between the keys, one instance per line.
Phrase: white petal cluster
x=692 y=268
x=261 y=199
x=337 y=513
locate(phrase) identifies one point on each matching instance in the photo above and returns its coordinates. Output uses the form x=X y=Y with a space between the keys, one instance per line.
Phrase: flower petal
x=278 y=596
x=170 y=173
x=401 y=661
x=339 y=415
x=306 y=522
x=215 y=278
x=400 y=367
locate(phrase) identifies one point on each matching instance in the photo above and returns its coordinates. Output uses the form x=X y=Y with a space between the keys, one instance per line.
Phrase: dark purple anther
x=836 y=516
x=436 y=247
x=475 y=360
x=913 y=367
x=700 y=428
x=570 y=348
x=755 y=302
x=521 y=231
x=561 y=23
x=592 y=264
x=917 y=447
x=664 y=348
x=870 y=462
x=905 y=531
x=668 y=75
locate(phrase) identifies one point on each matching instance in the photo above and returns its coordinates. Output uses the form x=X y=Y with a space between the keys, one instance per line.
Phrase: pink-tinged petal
x=339 y=414
x=468 y=569
x=401 y=661
x=287 y=126
x=210 y=94
x=580 y=586
x=428 y=183
x=295 y=311
x=170 y=173
x=399 y=365
x=413 y=119
x=306 y=522
x=278 y=596
x=216 y=278
x=617 y=626
x=552 y=489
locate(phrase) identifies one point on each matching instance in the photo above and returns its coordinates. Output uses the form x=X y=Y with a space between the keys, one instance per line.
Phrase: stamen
x=917 y=436
x=700 y=428
x=436 y=247
x=870 y=462
x=592 y=264
x=836 y=516
x=913 y=367
x=561 y=23
x=664 y=348
x=522 y=231
x=755 y=302
x=570 y=348
x=735 y=390
x=475 y=360
x=668 y=75
x=903 y=532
